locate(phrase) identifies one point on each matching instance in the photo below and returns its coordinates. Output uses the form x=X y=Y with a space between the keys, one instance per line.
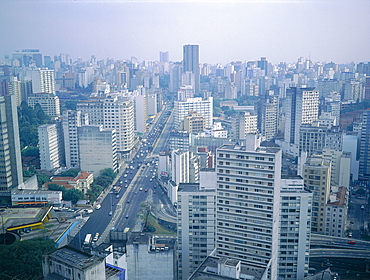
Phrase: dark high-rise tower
x=191 y=63
x=364 y=172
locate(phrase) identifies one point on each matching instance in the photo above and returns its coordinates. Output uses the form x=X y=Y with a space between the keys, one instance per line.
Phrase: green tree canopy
x=69 y=173
x=73 y=194
x=29 y=120
x=42 y=179
x=23 y=259
x=31 y=152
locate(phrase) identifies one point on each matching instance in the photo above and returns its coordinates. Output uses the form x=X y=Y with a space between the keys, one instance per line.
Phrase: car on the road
x=96 y=237
x=351 y=242
x=146 y=190
x=128 y=201
x=117 y=196
x=126 y=216
x=154 y=192
x=97 y=207
x=110 y=213
x=140 y=189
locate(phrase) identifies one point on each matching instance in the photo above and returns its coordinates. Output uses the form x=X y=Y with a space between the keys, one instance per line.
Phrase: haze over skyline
x=325 y=30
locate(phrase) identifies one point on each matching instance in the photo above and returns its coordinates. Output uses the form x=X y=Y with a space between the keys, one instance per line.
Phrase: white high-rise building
x=180 y=166
x=97 y=147
x=197 y=104
x=43 y=81
x=94 y=108
x=295 y=228
x=195 y=227
x=316 y=174
x=270 y=116
x=72 y=120
x=185 y=92
x=301 y=107
x=248 y=203
x=49 y=150
x=119 y=115
x=49 y=103
x=340 y=167
x=152 y=103
x=242 y=124
x=139 y=100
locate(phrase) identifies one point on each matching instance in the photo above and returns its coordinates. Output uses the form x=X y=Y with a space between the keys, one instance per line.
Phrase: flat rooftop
x=208 y=270
x=152 y=239
x=75 y=258
x=19 y=216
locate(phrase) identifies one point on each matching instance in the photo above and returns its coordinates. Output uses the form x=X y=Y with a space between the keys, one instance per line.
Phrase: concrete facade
x=151 y=257
x=295 y=229
x=49 y=149
x=197 y=104
x=248 y=195
x=10 y=150
x=195 y=228
x=98 y=150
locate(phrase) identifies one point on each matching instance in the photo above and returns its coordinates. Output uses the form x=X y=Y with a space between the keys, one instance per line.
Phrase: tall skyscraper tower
x=164 y=57
x=43 y=81
x=316 y=175
x=295 y=228
x=72 y=120
x=263 y=65
x=247 y=204
x=10 y=150
x=196 y=227
x=301 y=107
x=49 y=150
x=364 y=172
x=191 y=63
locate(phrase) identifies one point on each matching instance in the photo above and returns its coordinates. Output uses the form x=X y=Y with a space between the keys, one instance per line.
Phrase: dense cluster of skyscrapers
x=224 y=166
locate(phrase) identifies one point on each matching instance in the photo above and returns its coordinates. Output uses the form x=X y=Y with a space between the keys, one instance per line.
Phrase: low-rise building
x=22 y=196
x=81 y=182
x=69 y=263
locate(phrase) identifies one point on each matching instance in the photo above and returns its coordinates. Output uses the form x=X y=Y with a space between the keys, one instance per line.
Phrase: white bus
x=87 y=240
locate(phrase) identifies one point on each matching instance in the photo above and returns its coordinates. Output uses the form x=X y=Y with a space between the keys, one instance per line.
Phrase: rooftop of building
x=292 y=177
x=167 y=242
x=15 y=217
x=35 y=192
x=82 y=175
x=209 y=270
x=75 y=258
x=194 y=187
x=341 y=196
x=111 y=271
x=271 y=150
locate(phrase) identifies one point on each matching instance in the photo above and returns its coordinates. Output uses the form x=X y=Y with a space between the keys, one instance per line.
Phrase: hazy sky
x=226 y=31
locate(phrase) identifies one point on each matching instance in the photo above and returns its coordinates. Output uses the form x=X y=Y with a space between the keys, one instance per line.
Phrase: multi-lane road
x=138 y=184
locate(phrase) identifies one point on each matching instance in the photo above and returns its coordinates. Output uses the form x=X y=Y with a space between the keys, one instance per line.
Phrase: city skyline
x=225 y=32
